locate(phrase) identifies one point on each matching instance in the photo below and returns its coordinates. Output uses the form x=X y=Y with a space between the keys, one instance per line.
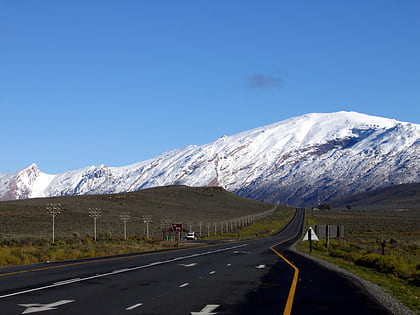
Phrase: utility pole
x=94 y=213
x=53 y=209
x=147 y=218
x=125 y=216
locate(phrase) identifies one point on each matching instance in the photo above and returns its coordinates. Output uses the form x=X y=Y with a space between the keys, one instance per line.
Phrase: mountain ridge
x=297 y=161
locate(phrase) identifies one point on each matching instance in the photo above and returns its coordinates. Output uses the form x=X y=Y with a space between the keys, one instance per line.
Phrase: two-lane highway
x=214 y=279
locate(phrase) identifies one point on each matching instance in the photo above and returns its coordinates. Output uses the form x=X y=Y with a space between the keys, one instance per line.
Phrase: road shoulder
x=383 y=298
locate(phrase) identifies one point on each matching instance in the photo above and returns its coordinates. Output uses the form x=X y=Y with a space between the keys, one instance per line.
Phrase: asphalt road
x=231 y=278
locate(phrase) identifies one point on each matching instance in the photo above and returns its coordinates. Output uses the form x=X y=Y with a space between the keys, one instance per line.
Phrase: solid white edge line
x=121 y=270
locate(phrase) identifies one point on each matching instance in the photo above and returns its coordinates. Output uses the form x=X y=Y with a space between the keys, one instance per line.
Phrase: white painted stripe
x=189 y=265
x=228 y=265
x=113 y=273
x=121 y=270
x=212 y=272
x=133 y=306
x=67 y=281
x=184 y=285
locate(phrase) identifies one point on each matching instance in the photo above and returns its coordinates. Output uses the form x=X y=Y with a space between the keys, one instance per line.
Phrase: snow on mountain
x=298 y=161
x=27 y=183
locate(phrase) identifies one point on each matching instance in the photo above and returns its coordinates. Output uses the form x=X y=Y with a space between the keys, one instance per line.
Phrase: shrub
x=385 y=264
x=339 y=254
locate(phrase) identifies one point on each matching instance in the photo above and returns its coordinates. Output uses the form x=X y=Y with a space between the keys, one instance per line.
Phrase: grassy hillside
x=180 y=204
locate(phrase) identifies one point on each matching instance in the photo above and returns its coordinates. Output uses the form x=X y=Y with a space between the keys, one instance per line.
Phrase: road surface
x=247 y=277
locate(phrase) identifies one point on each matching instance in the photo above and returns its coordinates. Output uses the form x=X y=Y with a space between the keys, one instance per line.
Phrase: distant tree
x=348 y=207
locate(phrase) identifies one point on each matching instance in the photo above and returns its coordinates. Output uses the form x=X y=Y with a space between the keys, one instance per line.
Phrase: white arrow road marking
x=260 y=266
x=133 y=306
x=184 y=285
x=189 y=265
x=37 y=307
x=207 y=310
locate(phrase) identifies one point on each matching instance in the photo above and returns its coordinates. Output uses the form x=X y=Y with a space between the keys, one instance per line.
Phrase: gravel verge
x=392 y=304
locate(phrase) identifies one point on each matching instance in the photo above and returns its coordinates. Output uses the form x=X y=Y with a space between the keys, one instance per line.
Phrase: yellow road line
x=289 y=303
x=291 y=296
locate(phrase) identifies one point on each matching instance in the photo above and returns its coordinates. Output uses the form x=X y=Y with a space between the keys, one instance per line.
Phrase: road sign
x=312 y=237
x=177 y=227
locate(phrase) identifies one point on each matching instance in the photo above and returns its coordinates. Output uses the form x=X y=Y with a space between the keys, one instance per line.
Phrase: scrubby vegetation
x=23 y=252
x=381 y=246
x=402 y=267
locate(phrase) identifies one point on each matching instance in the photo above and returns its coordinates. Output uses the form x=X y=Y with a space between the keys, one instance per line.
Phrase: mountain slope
x=297 y=161
x=398 y=197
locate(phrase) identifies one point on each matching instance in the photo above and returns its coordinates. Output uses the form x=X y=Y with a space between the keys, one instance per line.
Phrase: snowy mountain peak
x=31 y=172
x=297 y=161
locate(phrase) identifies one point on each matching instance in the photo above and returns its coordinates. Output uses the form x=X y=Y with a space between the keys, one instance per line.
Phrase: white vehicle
x=191 y=236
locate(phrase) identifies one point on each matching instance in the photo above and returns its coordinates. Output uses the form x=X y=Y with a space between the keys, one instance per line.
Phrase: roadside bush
x=340 y=254
x=319 y=246
x=385 y=264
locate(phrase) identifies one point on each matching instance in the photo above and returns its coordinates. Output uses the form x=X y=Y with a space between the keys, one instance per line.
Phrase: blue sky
x=85 y=82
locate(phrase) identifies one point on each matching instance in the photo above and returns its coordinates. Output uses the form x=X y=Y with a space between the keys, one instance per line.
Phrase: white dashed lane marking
x=133 y=306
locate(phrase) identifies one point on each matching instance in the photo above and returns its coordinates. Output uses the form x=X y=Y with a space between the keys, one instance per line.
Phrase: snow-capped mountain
x=298 y=161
